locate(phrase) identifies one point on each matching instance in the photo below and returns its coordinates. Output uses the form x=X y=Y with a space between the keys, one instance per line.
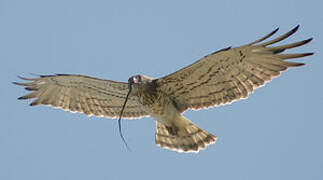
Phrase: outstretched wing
x=78 y=93
x=229 y=74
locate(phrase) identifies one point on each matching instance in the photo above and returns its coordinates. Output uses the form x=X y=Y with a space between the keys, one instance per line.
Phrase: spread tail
x=184 y=136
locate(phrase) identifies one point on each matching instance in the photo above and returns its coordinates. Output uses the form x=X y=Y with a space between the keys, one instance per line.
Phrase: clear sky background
x=276 y=134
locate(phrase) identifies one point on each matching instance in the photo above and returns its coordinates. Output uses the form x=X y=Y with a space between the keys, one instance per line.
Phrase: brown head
x=139 y=79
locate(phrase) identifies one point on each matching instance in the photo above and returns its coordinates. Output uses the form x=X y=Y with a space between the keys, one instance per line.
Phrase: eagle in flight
x=219 y=78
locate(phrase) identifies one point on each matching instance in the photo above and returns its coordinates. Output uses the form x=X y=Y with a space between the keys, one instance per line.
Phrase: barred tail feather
x=183 y=137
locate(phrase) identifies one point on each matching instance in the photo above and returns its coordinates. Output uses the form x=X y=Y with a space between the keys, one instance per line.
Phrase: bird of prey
x=219 y=78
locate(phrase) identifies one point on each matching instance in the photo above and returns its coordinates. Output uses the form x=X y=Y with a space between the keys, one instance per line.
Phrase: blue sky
x=275 y=134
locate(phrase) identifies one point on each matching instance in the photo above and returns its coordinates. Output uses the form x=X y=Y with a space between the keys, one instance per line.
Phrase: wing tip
x=274 y=31
x=295 y=28
x=26 y=79
x=280 y=38
x=16 y=83
x=21 y=84
x=291 y=32
x=34 y=103
x=265 y=37
x=299 y=64
x=308 y=40
x=308 y=54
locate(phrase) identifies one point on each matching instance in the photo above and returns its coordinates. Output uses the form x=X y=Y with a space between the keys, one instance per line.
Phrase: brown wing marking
x=78 y=93
x=230 y=75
